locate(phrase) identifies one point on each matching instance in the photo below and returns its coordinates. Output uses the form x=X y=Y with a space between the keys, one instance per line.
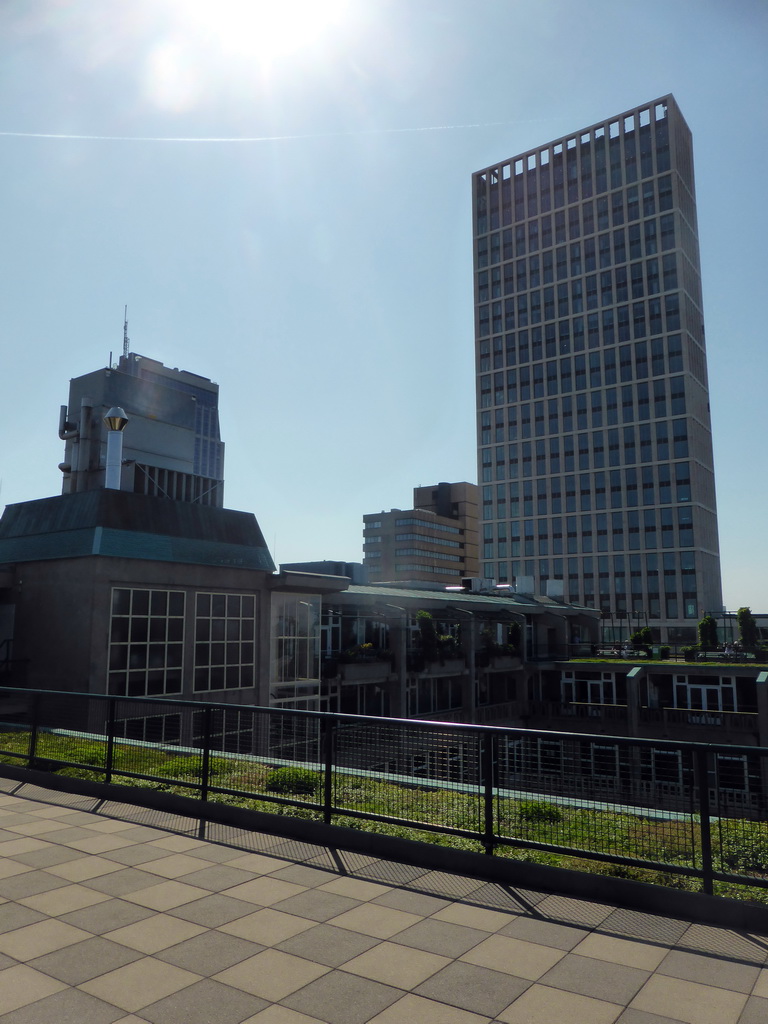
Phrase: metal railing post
x=33 y=724
x=110 y=741
x=328 y=726
x=205 y=768
x=486 y=761
x=705 y=822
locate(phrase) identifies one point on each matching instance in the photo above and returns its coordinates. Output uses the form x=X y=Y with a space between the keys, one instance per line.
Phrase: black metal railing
x=672 y=807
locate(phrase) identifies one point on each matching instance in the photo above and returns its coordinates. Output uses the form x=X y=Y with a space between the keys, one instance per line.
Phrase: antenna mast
x=125 y=333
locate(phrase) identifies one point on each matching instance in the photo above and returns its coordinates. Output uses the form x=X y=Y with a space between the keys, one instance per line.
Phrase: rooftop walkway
x=115 y=913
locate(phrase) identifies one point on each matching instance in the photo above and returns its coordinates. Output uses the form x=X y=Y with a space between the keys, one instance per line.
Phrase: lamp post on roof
x=115 y=422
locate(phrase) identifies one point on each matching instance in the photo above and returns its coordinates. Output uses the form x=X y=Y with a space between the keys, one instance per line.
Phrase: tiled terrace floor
x=111 y=913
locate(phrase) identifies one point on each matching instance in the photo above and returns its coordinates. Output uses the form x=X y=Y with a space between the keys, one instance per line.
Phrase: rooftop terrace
x=116 y=913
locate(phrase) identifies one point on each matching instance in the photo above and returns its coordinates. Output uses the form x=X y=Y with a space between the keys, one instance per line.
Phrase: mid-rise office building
x=594 y=437
x=172 y=448
x=434 y=541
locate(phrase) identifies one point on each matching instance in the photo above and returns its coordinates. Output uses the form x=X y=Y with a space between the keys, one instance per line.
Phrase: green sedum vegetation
x=742 y=844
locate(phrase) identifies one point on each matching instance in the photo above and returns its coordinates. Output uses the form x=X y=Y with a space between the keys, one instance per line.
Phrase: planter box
x=448 y=667
x=364 y=671
x=505 y=661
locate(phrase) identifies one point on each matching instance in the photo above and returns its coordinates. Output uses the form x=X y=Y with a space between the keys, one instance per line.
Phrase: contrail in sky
x=257 y=138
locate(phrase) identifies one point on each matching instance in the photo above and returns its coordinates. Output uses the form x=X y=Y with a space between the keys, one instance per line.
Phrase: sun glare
x=263 y=29
x=206 y=48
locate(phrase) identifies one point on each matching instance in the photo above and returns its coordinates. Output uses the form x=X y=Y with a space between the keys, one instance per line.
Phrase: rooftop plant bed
x=264 y=786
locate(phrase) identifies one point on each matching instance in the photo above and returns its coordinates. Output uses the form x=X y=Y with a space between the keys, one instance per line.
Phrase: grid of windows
x=152 y=729
x=295 y=641
x=146 y=642
x=590 y=361
x=442 y=527
x=225 y=645
x=421 y=553
x=432 y=568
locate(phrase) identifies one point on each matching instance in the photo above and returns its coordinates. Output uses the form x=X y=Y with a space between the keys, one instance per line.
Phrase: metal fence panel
x=686 y=808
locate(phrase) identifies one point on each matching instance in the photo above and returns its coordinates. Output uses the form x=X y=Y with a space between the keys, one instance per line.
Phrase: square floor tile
x=139 y=984
x=212 y=853
x=68 y=1007
x=217 y=877
x=633 y=924
x=400 y=966
x=265 y=891
x=135 y=855
x=710 y=970
x=355 y=888
x=68 y=832
x=122 y=881
x=213 y=910
x=441 y=937
x=203 y=1003
x=276 y=1014
x=755 y=1011
x=393 y=873
x=258 y=863
x=541 y=1004
x=40 y=938
x=691 y=1002
x=267 y=926
x=29 y=884
x=64 y=900
x=724 y=942
x=303 y=875
x=99 y=843
x=568 y=910
x=48 y=857
x=9 y=868
x=34 y=827
x=475 y=917
x=544 y=933
x=341 y=998
x=85 y=960
x=412 y=902
x=176 y=864
x=413 y=1009
x=159 y=931
x=21 y=985
x=80 y=867
x=473 y=988
x=454 y=887
x=596 y=978
x=208 y=953
x=381 y=922
x=13 y=847
x=326 y=944
x=105 y=917
x=317 y=905
x=271 y=974
x=761 y=985
x=165 y=895
x=14 y=915
x=641 y=1017
x=513 y=956
x=178 y=844
x=628 y=952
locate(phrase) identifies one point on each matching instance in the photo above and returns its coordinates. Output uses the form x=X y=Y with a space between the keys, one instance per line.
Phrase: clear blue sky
x=322 y=276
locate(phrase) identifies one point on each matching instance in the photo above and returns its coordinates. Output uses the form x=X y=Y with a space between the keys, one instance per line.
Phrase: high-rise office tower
x=594 y=437
x=172 y=446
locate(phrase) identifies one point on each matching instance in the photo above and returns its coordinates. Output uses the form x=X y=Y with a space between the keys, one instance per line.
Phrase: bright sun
x=263 y=29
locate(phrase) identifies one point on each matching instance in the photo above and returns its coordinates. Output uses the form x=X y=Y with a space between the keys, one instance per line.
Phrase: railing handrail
x=436 y=724
x=467 y=757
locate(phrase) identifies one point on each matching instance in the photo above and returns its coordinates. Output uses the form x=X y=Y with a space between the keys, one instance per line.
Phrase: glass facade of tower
x=594 y=438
